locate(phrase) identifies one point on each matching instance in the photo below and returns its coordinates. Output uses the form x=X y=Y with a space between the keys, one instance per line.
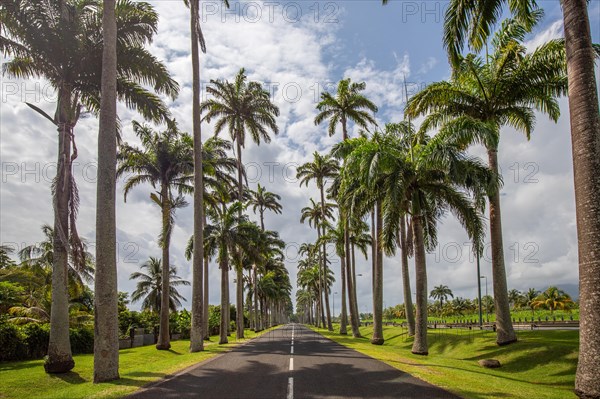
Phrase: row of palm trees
x=73 y=44
x=406 y=180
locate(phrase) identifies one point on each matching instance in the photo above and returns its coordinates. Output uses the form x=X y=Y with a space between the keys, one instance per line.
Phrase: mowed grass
x=137 y=367
x=540 y=365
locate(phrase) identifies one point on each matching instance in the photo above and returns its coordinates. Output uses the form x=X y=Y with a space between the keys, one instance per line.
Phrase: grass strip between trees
x=540 y=365
x=137 y=367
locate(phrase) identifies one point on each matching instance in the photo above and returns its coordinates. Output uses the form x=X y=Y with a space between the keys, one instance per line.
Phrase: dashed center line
x=290 y=394
x=291 y=364
x=292 y=349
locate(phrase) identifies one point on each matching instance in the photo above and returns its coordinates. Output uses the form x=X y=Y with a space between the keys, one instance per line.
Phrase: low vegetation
x=541 y=364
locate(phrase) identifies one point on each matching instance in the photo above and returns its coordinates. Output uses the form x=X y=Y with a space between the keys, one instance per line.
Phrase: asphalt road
x=293 y=362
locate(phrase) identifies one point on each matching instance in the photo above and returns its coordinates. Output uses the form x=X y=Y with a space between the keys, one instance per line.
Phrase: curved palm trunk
x=505 y=334
x=224 y=328
x=106 y=323
x=420 y=343
x=197 y=330
x=164 y=338
x=59 y=358
x=408 y=305
x=585 y=136
x=239 y=322
x=377 y=338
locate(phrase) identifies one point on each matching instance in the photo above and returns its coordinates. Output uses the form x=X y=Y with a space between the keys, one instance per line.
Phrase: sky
x=297 y=49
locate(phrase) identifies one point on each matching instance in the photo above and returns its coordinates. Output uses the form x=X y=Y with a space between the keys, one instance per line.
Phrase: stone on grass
x=489 y=363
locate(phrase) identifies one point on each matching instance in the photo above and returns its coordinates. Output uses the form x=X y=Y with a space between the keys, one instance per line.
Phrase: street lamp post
x=487 y=310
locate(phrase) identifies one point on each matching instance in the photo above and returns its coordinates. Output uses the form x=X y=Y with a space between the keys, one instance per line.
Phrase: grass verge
x=540 y=365
x=137 y=367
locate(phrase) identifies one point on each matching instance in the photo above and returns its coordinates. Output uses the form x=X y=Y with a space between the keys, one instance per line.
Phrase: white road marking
x=290 y=393
x=291 y=364
x=292 y=350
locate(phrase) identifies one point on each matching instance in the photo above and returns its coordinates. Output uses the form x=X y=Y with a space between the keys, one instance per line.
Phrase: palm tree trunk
x=106 y=323
x=351 y=288
x=197 y=330
x=163 y=332
x=505 y=334
x=585 y=137
x=59 y=358
x=420 y=343
x=324 y=262
x=343 y=318
x=377 y=338
x=408 y=305
x=239 y=303
x=205 y=308
x=257 y=326
x=224 y=328
x=239 y=296
x=352 y=272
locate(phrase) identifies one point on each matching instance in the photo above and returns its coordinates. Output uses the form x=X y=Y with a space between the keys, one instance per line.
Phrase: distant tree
x=553 y=298
x=441 y=293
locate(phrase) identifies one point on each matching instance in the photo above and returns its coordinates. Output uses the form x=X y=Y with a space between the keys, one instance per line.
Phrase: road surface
x=293 y=362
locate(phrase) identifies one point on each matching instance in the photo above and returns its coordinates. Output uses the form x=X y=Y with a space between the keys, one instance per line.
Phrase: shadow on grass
x=20 y=365
x=71 y=377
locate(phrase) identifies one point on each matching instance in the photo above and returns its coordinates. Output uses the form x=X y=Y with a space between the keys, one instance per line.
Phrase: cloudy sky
x=297 y=50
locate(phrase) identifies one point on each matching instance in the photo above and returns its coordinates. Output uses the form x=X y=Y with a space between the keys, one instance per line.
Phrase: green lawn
x=541 y=365
x=138 y=367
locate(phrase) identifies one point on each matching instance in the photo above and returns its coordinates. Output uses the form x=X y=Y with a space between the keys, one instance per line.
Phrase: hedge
x=31 y=340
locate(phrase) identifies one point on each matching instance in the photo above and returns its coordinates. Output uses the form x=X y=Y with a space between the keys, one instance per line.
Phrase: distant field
x=516 y=315
x=540 y=365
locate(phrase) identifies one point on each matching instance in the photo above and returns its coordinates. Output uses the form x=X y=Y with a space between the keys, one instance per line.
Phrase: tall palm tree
x=319 y=170
x=165 y=160
x=60 y=41
x=585 y=136
x=262 y=200
x=434 y=176
x=106 y=315
x=227 y=237
x=149 y=286
x=483 y=97
x=530 y=297
x=199 y=299
x=242 y=107
x=441 y=293
x=348 y=105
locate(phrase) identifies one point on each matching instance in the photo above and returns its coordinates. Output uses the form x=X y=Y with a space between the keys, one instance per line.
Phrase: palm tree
x=441 y=293
x=262 y=200
x=319 y=170
x=585 y=133
x=60 y=41
x=515 y=298
x=530 y=296
x=5 y=260
x=229 y=230
x=150 y=287
x=106 y=330
x=552 y=299
x=482 y=98
x=199 y=299
x=241 y=106
x=349 y=104
x=317 y=215
x=434 y=176
x=164 y=161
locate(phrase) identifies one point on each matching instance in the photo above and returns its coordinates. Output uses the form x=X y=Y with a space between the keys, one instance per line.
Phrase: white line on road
x=291 y=364
x=290 y=394
x=292 y=350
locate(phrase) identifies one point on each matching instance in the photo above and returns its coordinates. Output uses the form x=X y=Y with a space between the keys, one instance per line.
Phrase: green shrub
x=82 y=340
x=35 y=338
x=11 y=342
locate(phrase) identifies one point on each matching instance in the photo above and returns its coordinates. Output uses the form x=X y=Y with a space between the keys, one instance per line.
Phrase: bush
x=82 y=340
x=10 y=341
x=35 y=338
x=214 y=319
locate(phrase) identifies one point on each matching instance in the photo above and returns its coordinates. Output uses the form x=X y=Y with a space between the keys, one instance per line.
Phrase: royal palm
x=65 y=48
x=165 y=162
x=242 y=108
